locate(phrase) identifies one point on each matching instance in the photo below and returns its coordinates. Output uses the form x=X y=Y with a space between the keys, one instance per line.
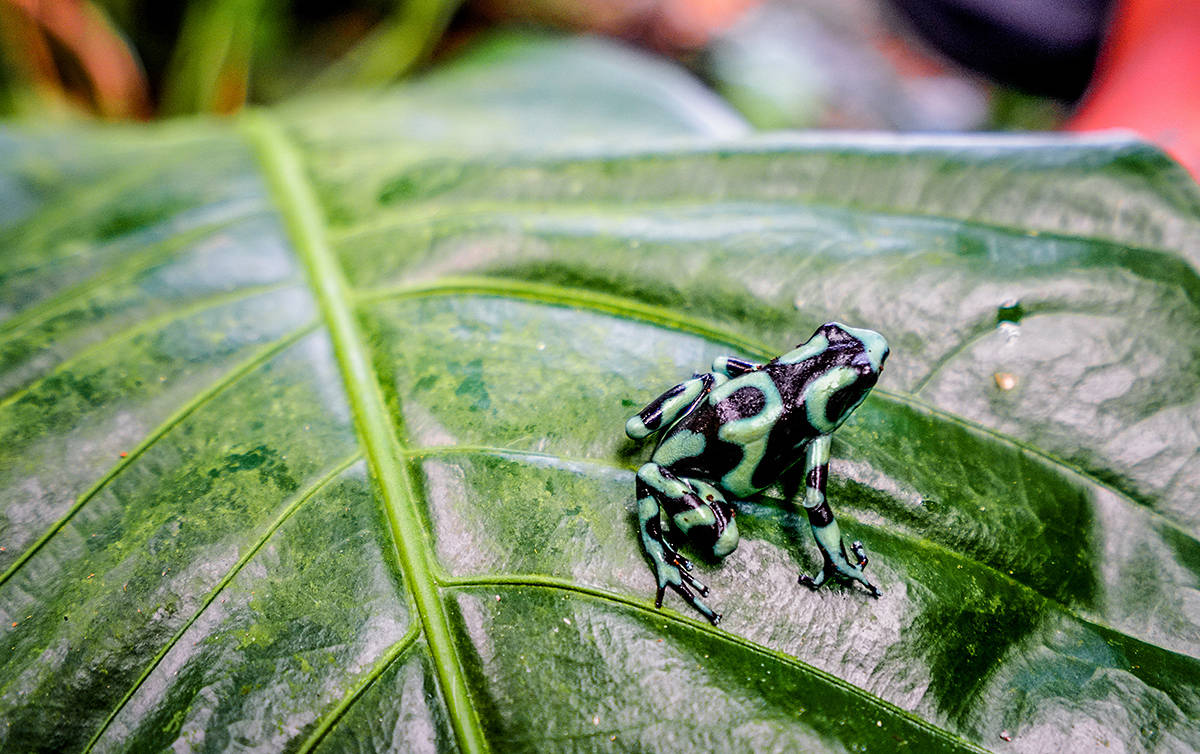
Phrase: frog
x=728 y=434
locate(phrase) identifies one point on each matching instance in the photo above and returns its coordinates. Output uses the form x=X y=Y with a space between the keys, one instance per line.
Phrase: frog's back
x=750 y=429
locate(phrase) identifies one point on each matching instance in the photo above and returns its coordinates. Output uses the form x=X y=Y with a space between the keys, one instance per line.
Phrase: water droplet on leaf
x=1010 y=310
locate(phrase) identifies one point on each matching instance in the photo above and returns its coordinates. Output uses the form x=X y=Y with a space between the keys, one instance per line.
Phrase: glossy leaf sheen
x=311 y=428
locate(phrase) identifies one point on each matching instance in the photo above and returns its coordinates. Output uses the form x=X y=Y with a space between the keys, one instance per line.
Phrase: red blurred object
x=1148 y=78
x=114 y=84
x=666 y=25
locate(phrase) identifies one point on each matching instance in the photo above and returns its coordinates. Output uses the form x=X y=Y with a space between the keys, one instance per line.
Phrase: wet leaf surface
x=312 y=427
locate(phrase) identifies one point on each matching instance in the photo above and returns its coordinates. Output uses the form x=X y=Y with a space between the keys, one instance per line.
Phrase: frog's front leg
x=661 y=494
x=825 y=528
x=666 y=408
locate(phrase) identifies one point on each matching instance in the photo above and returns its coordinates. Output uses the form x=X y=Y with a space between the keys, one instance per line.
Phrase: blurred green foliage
x=137 y=59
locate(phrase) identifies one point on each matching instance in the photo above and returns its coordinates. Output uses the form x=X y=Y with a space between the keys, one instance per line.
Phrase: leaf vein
x=226 y=380
x=144 y=326
x=646 y=607
x=232 y=573
x=128 y=266
x=334 y=715
x=913 y=541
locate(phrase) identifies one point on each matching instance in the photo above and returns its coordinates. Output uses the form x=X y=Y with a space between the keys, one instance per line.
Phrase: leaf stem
x=298 y=204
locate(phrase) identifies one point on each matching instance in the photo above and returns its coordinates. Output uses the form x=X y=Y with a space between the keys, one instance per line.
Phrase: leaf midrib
x=297 y=202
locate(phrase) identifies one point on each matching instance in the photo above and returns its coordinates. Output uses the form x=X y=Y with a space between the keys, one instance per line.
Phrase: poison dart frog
x=739 y=429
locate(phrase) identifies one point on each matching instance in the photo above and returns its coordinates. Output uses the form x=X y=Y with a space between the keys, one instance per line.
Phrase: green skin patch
x=725 y=428
x=816 y=457
x=818 y=393
x=815 y=346
x=683 y=444
x=750 y=432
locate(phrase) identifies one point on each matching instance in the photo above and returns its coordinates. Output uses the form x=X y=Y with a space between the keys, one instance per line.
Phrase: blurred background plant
x=908 y=65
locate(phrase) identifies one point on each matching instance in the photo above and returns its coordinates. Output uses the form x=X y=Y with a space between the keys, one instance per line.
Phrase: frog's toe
x=712 y=616
x=857 y=575
x=658 y=596
x=857 y=548
x=684 y=591
x=692 y=581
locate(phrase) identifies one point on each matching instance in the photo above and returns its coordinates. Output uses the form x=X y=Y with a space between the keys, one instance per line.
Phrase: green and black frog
x=739 y=429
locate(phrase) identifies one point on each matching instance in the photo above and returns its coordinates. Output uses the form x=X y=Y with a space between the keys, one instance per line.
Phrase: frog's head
x=845 y=363
x=867 y=350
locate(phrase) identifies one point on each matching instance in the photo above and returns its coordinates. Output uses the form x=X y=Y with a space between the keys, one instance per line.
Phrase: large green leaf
x=311 y=433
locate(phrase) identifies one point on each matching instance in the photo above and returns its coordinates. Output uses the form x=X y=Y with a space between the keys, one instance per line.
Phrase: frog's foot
x=856 y=547
x=682 y=566
x=833 y=572
x=841 y=569
x=675 y=572
x=683 y=583
x=670 y=568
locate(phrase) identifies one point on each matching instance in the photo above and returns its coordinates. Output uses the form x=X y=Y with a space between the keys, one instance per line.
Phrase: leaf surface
x=311 y=427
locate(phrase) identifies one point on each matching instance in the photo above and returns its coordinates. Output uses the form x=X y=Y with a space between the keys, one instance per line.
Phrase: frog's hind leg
x=712 y=525
x=663 y=496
